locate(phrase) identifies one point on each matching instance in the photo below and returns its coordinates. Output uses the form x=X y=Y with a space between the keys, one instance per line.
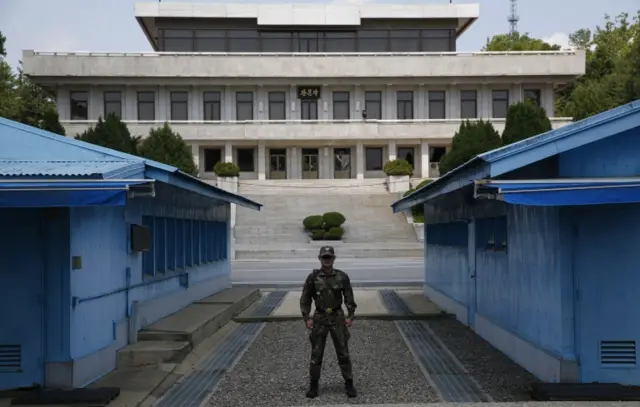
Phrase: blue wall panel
x=446 y=265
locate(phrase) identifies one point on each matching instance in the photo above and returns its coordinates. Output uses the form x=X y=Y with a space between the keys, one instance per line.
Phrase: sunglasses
x=327 y=257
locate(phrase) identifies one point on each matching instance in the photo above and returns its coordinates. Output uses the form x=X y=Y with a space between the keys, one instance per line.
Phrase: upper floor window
x=79 y=105
x=362 y=40
x=468 y=104
x=277 y=106
x=405 y=105
x=533 y=95
x=341 y=109
x=500 y=103
x=113 y=103
x=244 y=106
x=211 y=101
x=373 y=104
x=146 y=106
x=437 y=106
x=177 y=40
x=309 y=109
x=179 y=105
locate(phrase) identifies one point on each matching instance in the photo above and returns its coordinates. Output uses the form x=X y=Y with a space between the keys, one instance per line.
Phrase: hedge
x=226 y=169
x=398 y=168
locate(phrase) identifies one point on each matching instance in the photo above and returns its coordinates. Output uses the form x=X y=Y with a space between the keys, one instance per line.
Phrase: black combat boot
x=351 y=391
x=313 y=389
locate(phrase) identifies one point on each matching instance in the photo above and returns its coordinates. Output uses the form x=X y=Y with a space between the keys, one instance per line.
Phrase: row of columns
x=359 y=159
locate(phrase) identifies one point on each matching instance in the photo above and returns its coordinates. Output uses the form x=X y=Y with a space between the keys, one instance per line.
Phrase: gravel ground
x=498 y=375
x=274 y=371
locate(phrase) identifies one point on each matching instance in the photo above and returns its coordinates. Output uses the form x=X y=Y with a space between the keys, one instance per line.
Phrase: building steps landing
x=170 y=339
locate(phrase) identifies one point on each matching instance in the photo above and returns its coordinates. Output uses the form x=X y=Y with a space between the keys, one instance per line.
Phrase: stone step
x=311 y=254
x=171 y=338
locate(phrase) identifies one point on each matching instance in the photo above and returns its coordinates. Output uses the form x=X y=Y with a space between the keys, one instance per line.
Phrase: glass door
x=310 y=163
x=277 y=164
x=342 y=163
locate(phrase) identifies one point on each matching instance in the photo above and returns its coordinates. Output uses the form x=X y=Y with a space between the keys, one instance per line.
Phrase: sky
x=109 y=25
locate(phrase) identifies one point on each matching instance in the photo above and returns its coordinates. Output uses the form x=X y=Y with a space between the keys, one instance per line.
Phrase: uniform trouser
x=324 y=324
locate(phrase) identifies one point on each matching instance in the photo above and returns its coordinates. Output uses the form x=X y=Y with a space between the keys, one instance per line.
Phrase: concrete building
x=95 y=245
x=303 y=91
x=534 y=246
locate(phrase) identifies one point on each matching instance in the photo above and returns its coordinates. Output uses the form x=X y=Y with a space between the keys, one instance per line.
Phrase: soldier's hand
x=309 y=323
x=348 y=322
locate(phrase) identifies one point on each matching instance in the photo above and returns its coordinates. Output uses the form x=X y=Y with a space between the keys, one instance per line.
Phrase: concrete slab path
x=368 y=301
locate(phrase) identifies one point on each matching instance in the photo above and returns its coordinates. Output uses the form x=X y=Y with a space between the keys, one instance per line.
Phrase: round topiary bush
x=333 y=219
x=335 y=233
x=313 y=222
x=397 y=168
x=226 y=169
x=423 y=183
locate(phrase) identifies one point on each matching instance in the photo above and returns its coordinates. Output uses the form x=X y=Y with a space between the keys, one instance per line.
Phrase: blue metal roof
x=517 y=155
x=26 y=143
x=92 y=169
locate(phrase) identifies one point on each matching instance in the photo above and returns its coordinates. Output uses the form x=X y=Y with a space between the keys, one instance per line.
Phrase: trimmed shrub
x=318 y=234
x=313 y=222
x=398 y=168
x=333 y=219
x=423 y=183
x=226 y=169
x=334 y=233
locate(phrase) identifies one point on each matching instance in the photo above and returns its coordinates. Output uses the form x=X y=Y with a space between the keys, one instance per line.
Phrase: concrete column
x=163 y=112
x=63 y=103
x=421 y=97
x=548 y=100
x=359 y=160
x=228 y=152
x=323 y=103
x=229 y=106
x=195 y=151
x=195 y=112
x=393 y=151
x=96 y=104
x=130 y=111
x=262 y=165
x=293 y=103
x=295 y=164
x=424 y=162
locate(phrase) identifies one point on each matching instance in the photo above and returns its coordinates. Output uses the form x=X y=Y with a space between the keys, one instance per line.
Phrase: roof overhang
x=48 y=193
x=282 y=14
x=560 y=192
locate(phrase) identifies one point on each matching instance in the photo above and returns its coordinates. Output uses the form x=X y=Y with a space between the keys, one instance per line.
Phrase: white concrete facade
x=294 y=146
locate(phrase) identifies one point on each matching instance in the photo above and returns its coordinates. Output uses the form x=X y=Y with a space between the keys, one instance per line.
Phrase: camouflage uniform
x=327 y=289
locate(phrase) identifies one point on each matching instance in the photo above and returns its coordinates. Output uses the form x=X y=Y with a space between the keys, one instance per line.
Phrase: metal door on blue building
x=21 y=289
x=607 y=274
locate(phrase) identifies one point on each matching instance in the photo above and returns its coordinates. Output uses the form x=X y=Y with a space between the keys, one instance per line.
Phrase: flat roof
x=287 y=14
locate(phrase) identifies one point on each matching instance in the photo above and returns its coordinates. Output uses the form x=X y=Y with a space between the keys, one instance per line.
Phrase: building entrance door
x=277 y=164
x=342 y=163
x=310 y=163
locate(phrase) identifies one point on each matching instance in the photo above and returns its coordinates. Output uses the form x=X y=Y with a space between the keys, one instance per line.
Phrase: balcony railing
x=193 y=65
x=193 y=130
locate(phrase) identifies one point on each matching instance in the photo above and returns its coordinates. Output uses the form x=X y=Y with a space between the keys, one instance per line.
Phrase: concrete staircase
x=371 y=230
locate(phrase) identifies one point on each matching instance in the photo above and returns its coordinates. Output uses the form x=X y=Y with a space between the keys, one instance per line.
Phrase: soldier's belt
x=329 y=310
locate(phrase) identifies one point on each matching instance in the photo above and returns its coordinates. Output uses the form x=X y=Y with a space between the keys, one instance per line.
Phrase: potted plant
x=227 y=176
x=398 y=174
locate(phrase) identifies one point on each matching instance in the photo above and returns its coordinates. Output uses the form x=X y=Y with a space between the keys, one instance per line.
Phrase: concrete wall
x=111 y=278
x=560 y=65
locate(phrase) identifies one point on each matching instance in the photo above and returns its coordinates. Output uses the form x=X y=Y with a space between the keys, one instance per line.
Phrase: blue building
x=85 y=233
x=535 y=247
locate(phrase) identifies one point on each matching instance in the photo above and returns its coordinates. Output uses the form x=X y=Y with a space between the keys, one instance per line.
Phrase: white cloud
x=558 y=38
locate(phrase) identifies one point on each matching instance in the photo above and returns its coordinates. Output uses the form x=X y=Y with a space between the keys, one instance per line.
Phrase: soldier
x=327 y=287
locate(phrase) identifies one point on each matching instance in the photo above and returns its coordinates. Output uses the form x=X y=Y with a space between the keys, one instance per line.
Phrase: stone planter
x=229 y=184
x=398 y=183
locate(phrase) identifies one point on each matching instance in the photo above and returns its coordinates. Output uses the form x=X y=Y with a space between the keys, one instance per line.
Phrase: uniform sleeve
x=349 y=300
x=307 y=298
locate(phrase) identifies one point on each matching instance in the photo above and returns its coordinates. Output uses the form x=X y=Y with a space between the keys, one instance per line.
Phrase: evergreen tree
x=166 y=146
x=524 y=120
x=471 y=139
x=111 y=133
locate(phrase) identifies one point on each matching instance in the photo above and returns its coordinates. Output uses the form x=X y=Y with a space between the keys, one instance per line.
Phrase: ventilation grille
x=10 y=358
x=618 y=353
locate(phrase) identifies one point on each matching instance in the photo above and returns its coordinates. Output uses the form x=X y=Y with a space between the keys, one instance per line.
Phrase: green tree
x=517 y=42
x=3 y=50
x=524 y=120
x=166 y=146
x=111 y=133
x=611 y=68
x=471 y=139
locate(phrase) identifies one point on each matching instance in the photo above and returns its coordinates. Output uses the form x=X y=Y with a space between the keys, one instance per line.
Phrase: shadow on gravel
x=274 y=371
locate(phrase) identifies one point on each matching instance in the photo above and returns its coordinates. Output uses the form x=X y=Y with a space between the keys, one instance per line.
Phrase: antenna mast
x=513 y=17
